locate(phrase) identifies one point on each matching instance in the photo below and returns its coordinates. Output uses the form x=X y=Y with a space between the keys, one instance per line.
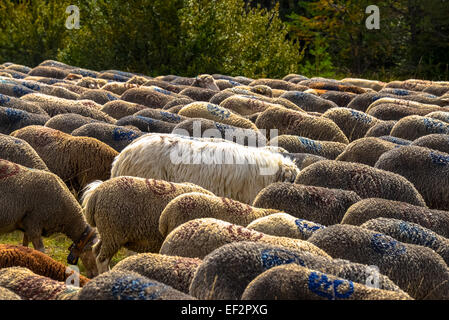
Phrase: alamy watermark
x=372 y=280
x=373 y=21
x=73 y=21
x=73 y=273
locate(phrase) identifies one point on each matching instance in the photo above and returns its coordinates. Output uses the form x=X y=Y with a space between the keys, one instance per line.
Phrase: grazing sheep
x=199 y=237
x=114 y=136
x=128 y=285
x=407 y=265
x=366 y=181
x=395 y=140
x=160 y=114
x=13 y=119
x=289 y=122
x=341 y=99
x=295 y=144
x=16 y=103
x=67 y=122
x=191 y=206
x=439 y=142
x=309 y=102
x=132 y=219
x=321 y=205
x=228 y=270
x=353 y=123
x=152 y=97
x=147 y=124
x=427 y=169
x=100 y=96
x=284 y=225
x=227 y=169
x=37 y=262
x=20 y=152
x=215 y=113
x=173 y=271
x=382 y=128
x=30 y=286
x=38 y=203
x=6 y=294
x=118 y=109
x=278 y=84
x=76 y=160
x=414 y=127
x=409 y=232
x=294 y=282
x=366 y=150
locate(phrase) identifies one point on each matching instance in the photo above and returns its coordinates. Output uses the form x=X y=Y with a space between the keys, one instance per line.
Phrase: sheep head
x=83 y=249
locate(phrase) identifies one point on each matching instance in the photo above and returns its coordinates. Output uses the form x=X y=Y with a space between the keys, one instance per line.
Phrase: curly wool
x=14 y=119
x=437 y=141
x=309 y=102
x=199 y=237
x=16 y=103
x=380 y=129
x=152 y=97
x=198 y=94
x=20 y=152
x=414 y=127
x=68 y=122
x=100 y=96
x=118 y=109
x=295 y=144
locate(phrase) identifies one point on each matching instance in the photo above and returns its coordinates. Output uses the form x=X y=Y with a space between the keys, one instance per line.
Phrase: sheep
x=295 y=144
x=289 y=122
x=227 y=169
x=197 y=127
x=407 y=265
x=342 y=99
x=354 y=124
x=142 y=200
x=245 y=105
x=68 y=122
x=151 y=97
x=84 y=72
x=6 y=294
x=16 y=103
x=176 y=272
x=336 y=86
x=118 y=109
x=54 y=106
x=284 y=225
x=189 y=206
x=321 y=205
x=175 y=109
x=91 y=83
x=13 y=89
x=309 y=102
x=40 y=204
x=221 y=96
x=228 y=270
x=205 y=81
x=439 y=142
x=294 y=282
x=100 y=96
x=291 y=76
x=49 y=72
x=382 y=128
x=439 y=115
x=19 y=68
x=437 y=90
x=183 y=81
x=303 y=160
x=215 y=113
x=147 y=124
x=278 y=84
x=51 y=90
x=76 y=160
x=164 y=85
x=366 y=150
x=160 y=114
x=112 y=76
x=199 y=237
x=366 y=181
x=30 y=286
x=183 y=101
x=395 y=109
x=20 y=152
x=395 y=140
x=37 y=262
x=14 y=119
x=363 y=83
x=427 y=169
x=139 y=80
x=55 y=64
x=127 y=285
x=118 y=88
x=71 y=87
x=12 y=74
x=116 y=137
x=409 y=232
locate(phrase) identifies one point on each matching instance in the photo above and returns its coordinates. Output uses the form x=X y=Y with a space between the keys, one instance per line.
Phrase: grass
x=56 y=247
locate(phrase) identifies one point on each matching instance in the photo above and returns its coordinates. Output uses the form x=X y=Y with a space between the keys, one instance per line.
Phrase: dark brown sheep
x=295 y=144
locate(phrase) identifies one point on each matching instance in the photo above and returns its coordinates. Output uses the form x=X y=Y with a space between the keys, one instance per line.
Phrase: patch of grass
x=57 y=247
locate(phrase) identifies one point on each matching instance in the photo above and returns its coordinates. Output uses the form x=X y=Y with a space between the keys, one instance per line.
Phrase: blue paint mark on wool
x=119 y=134
x=401 y=92
x=147 y=120
x=170 y=117
x=222 y=127
x=218 y=111
x=111 y=97
x=439 y=159
x=119 y=78
x=386 y=245
x=417 y=233
x=4 y=99
x=310 y=145
x=320 y=284
x=15 y=115
x=128 y=288
x=435 y=126
x=276 y=257
x=21 y=90
x=361 y=116
x=304 y=226
x=32 y=86
x=160 y=90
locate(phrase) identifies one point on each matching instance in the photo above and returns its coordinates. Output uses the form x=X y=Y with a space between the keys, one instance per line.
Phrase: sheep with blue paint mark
x=13 y=89
x=407 y=265
x=426 y=168
x=160 y=114
x=14 y=119
x=439 y=115
x=295 y=144
x=100 y=96
x=68 y=122
x=395 y=140
x=16 y=103
x=19 y=151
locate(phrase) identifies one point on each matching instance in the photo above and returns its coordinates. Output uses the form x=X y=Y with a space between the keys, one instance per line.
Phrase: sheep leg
x=25 y=240
x=104 y=254
x=38 y=244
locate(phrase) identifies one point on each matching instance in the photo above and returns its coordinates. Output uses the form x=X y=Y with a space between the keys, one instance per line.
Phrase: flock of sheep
x=224 y=187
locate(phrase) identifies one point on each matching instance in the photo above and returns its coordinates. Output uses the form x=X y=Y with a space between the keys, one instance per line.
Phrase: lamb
x=37 y=262
x=321 y=205
x=429 y=180
x=151 y=97
x=409 y=232
x=14 y=119
x=141 y=199
x=295 y=144
x=215 y=113
x=147 y=124
x=294 y=282
x=68 y=122
x=40 y=204
x=227 y=169
x=366 y=181
x=216 y=276
x=20 y=152
x=127 y=285
x=382 y=128
x=100 y=96
x=30 y=286
x=118 y=109
x=439 y=142
x=309 y=102
x=173 y=271
x=407 y=265
x=199 y=237
x=284 y=225
x=191 y=206
x=366 y=150
x=289 y=122
x=76 y=160
x=160 y=114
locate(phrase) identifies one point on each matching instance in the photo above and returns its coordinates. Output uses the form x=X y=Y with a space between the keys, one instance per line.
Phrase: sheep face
x=206 y=81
